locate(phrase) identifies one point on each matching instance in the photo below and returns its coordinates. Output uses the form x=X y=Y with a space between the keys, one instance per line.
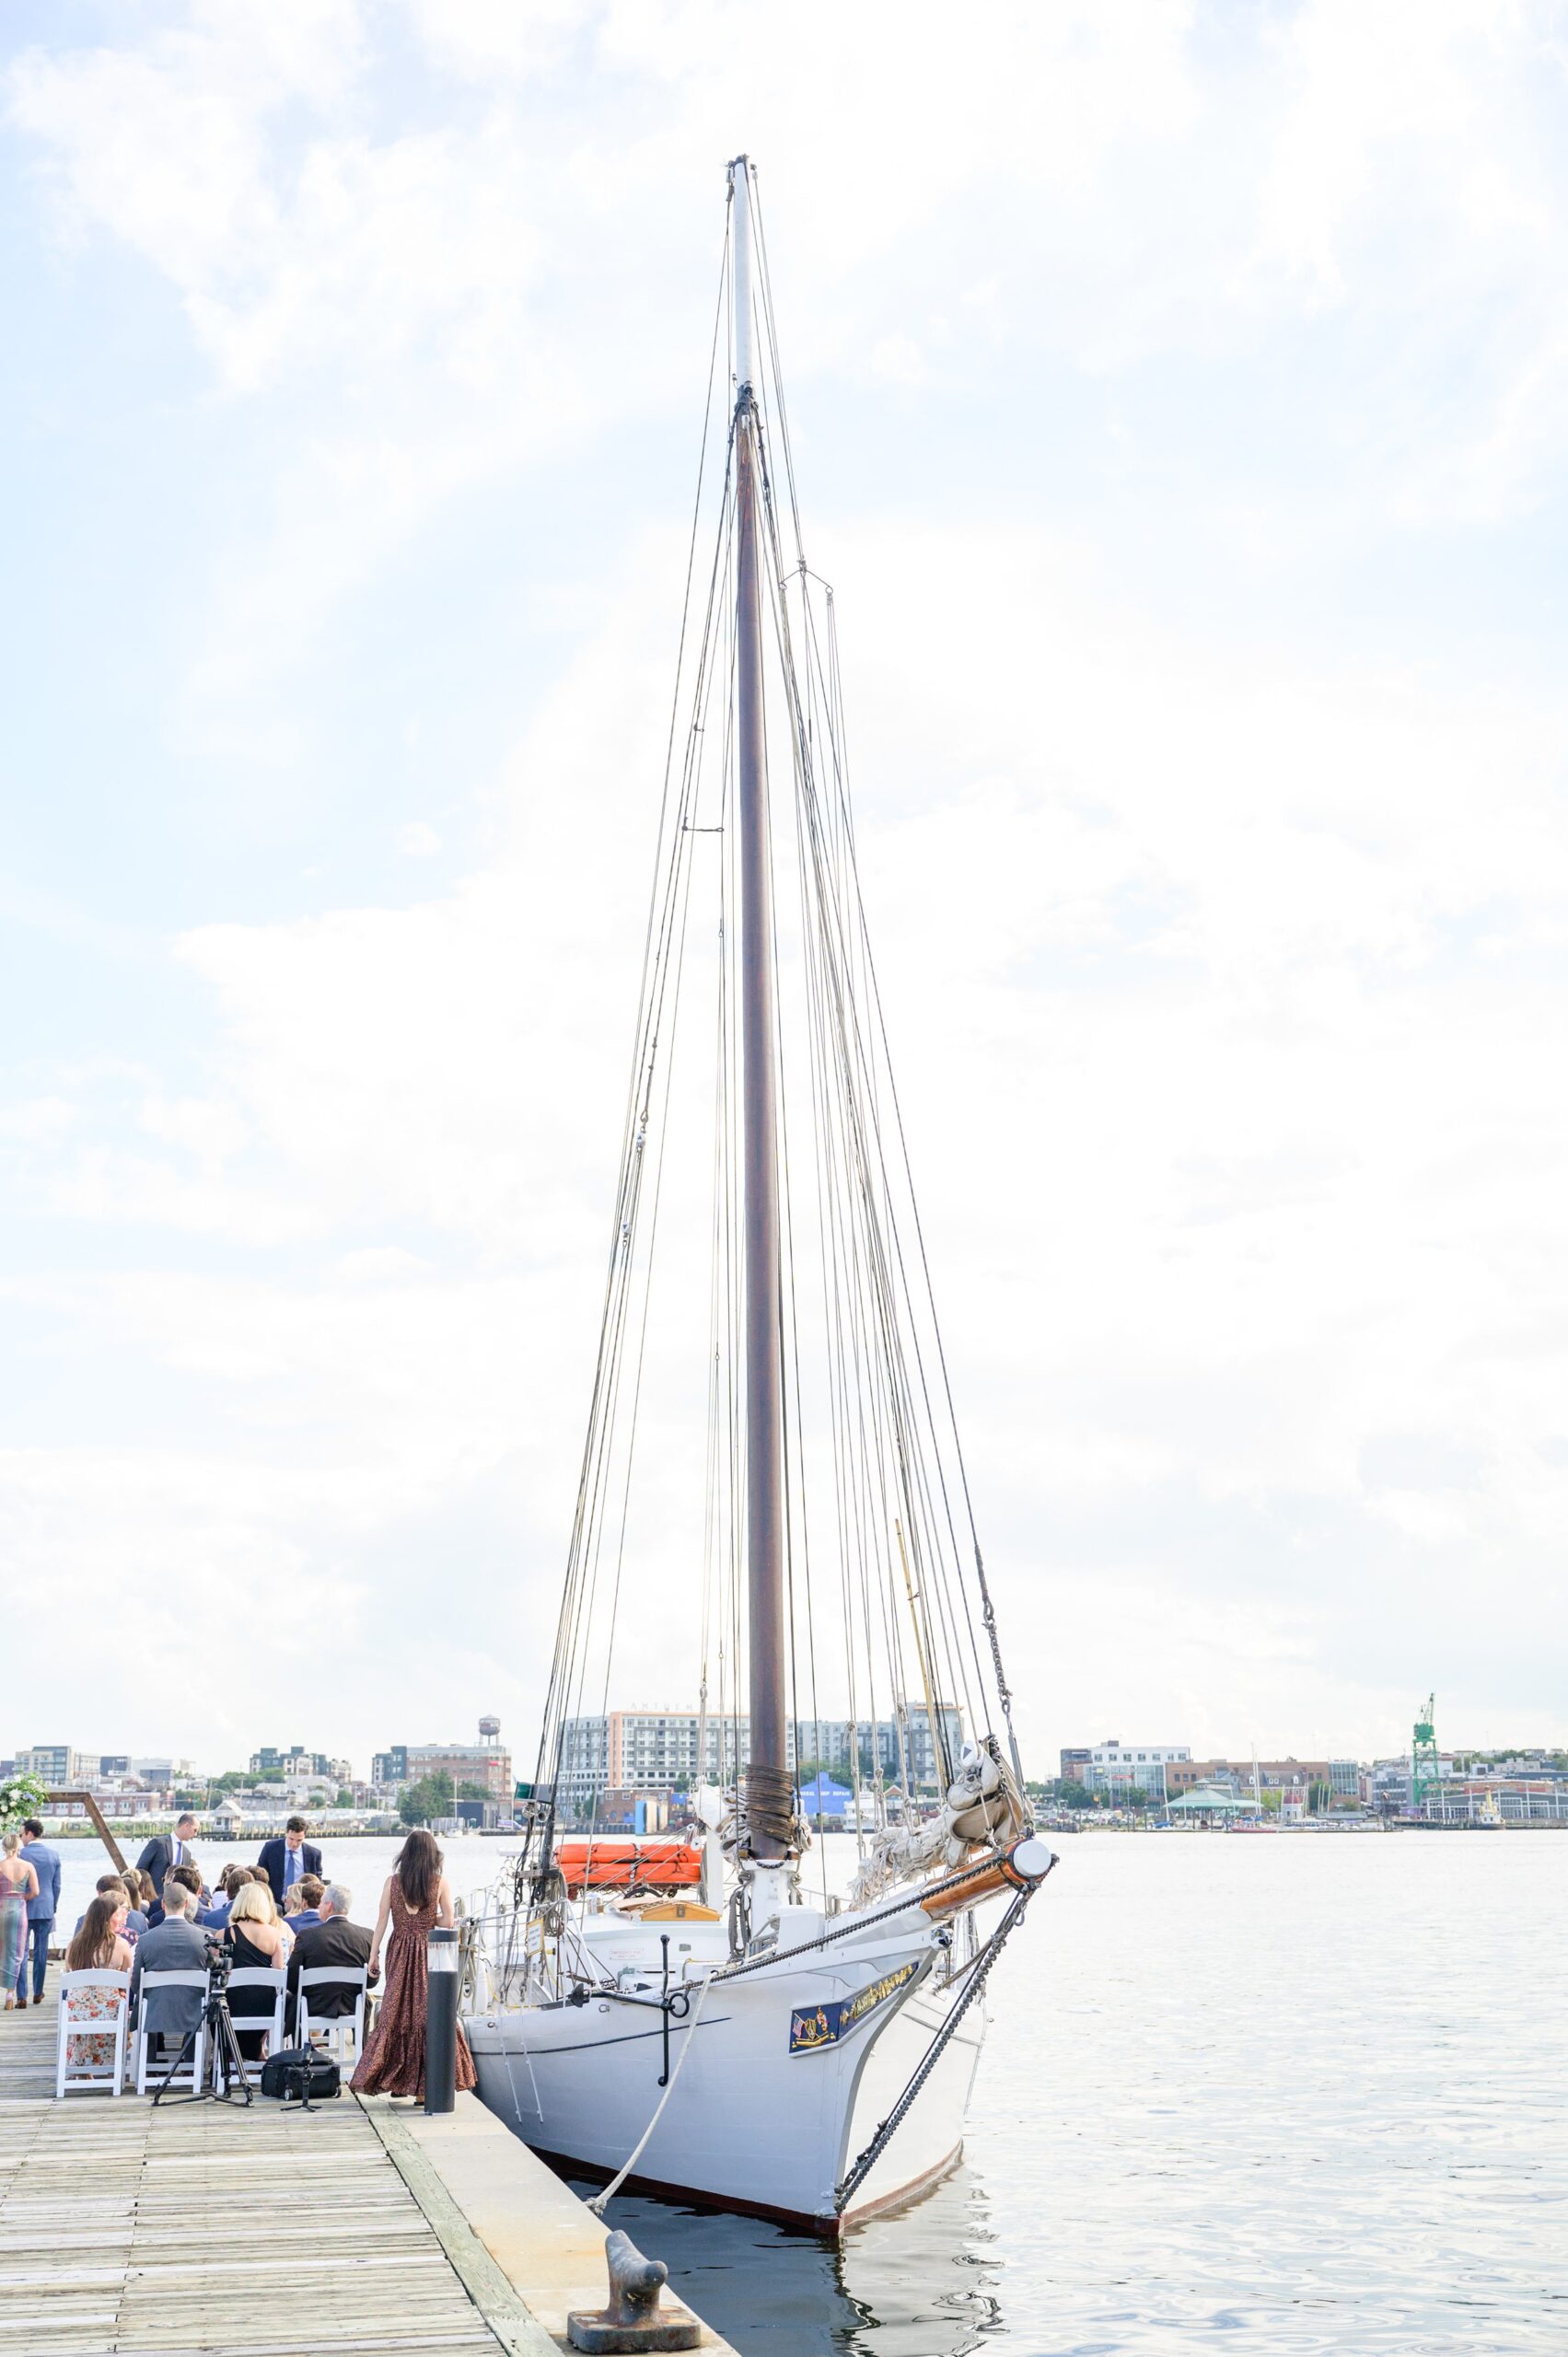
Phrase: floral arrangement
x=20 y=1798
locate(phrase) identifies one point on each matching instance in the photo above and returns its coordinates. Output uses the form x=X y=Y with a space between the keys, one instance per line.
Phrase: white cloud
x=418 y=840
x=1223 y=945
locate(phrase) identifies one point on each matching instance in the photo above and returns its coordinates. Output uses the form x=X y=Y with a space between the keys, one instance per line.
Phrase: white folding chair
x=252 y=1976
x=76 y=2077
x=338 y=2032
x=191 y=2074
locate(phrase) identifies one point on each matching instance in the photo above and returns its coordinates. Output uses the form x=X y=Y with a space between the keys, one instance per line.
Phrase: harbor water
x=1290 y=2094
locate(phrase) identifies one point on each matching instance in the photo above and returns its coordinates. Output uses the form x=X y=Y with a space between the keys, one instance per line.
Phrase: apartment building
x=488 y=1764
x=656 y=1750
x=297 y=1761
x=1113 y=1767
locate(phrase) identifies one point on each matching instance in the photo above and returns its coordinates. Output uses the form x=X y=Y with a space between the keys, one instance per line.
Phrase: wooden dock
x=358 y=2227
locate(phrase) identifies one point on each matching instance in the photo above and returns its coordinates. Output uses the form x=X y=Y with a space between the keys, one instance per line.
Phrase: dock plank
x=164 y=2232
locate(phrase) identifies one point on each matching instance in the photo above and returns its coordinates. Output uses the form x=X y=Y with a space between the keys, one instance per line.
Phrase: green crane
x=1424 y=1783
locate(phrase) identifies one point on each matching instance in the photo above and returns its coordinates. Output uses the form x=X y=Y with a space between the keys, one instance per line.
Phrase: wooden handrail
x=59 y=1800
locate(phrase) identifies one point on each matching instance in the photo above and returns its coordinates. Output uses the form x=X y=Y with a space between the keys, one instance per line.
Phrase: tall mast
x=769 y=1802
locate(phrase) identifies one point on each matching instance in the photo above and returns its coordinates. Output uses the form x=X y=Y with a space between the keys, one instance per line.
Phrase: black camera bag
x=300 y=2075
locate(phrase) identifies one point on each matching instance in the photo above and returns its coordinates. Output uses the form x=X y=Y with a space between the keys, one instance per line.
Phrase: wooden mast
x=770 y=1804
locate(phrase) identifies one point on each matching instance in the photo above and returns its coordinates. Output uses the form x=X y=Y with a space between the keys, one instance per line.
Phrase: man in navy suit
x=165 y=1851
x=286 y=1861
x=41 y=1910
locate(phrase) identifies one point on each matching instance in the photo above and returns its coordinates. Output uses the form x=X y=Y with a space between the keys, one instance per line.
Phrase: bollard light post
x=441 y=2023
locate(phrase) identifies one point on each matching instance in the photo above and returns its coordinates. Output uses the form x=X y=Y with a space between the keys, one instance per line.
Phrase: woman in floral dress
x=414 y=1899
x=99 y=1946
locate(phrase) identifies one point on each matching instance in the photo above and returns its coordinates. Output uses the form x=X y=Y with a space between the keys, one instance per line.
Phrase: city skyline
x=1066 y=1761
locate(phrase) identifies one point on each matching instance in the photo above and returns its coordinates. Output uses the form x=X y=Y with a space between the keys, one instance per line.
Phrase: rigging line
x=672 y=935
x=836 y=1407
x=650 y=996
x=800 y=762
x=666 y=893
x=777 y=372
x=788 y=1291
x=987 y=1609
x=852 y=1036
x=888 y=1319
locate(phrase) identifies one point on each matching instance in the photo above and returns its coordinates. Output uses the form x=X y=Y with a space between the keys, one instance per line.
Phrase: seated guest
x=173 y=1945
x=189 y=1878
x=216 y=1917
x=98 y=1945
x=302 y=1903
x=119 y=1889
x=333 y=1940
x=258 y=1944
x=274 y=1913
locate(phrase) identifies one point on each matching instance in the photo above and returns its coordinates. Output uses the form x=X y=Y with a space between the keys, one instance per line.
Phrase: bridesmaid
x=18 y=1883
x=415 y=1900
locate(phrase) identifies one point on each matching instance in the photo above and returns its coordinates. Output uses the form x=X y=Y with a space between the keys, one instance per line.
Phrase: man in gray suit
x=175 y=1945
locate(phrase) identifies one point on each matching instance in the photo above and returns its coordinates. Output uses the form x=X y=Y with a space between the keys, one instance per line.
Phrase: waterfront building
x=297 y=1761
x=860 y=1748
x=62 y=1766
x=1278 y=1777
x=1115 y=1768
x=58 y=1765
x=487 y=1763
x=658 y=1750
x=1498 y=1800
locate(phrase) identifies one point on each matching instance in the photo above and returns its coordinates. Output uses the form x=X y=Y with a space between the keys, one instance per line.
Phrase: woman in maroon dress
x=414 y=1899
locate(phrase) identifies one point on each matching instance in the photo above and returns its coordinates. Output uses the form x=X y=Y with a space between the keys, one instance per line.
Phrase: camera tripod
x=228 y=2064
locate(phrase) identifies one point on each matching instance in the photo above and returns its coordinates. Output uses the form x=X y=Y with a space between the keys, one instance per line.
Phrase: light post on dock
x=441 y=2023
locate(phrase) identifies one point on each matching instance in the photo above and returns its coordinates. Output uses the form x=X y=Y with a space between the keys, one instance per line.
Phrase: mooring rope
x=599 y=2200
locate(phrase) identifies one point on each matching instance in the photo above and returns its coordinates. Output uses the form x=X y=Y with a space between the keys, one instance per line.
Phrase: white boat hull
x=780 y=2093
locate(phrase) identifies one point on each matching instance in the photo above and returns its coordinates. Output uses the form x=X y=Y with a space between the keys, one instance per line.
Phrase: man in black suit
x=287 y=1860
x=334 y=1940
x=165 y=1851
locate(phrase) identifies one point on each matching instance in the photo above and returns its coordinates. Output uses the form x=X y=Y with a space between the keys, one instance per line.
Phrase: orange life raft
x=621 y=1864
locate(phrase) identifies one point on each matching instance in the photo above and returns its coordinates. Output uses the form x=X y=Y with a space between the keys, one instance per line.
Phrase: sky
x=1179 y=398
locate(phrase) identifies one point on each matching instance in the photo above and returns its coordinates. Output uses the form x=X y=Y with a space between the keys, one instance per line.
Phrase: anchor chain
x=847 y=2187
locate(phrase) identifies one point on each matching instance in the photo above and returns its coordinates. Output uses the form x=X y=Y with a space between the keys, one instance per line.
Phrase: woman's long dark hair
x=418 y=1869
x=93 y=1944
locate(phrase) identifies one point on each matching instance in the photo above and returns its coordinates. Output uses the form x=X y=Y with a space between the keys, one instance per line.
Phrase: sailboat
x=698 y=2013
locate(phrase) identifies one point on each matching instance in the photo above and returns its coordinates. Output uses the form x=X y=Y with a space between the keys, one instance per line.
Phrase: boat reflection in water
x=922 y=2281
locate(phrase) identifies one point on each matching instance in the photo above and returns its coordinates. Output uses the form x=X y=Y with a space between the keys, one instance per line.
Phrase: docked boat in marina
x=696 y=2014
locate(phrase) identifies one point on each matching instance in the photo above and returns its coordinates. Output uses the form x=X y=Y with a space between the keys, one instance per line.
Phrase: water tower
x=490 y=1730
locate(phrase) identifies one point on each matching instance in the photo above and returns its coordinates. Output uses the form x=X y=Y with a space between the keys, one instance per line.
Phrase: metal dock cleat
x=633 y=2318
